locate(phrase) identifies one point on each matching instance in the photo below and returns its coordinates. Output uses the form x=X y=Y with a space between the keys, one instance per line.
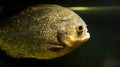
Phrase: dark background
x=103 y=48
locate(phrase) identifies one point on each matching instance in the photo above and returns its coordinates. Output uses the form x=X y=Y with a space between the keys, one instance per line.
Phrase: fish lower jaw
x=86 y=37
x=78 y=42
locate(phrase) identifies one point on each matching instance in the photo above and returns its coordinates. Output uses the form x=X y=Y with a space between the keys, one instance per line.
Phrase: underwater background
x=103 y=20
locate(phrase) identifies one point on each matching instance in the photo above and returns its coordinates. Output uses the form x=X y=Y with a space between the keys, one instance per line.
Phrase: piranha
x=44 y=31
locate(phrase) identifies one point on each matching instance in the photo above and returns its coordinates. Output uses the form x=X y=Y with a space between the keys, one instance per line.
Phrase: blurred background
x=103 y=20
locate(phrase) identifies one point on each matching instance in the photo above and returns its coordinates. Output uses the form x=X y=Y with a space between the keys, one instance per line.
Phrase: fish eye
x=79 y=28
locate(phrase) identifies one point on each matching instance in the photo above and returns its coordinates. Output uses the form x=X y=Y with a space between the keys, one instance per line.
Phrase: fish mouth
x=86 y=36
x=79 y=41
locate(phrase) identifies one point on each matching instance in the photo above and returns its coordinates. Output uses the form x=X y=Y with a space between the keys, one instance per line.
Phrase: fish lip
x=88 y=35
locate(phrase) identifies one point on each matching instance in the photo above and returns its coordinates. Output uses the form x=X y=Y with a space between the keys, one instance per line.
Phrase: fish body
x=43 y=32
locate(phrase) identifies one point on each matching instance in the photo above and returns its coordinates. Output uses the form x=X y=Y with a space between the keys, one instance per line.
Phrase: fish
x=45 y=31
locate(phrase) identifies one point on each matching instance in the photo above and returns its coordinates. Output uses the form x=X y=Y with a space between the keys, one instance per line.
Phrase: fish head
x=71 y=32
